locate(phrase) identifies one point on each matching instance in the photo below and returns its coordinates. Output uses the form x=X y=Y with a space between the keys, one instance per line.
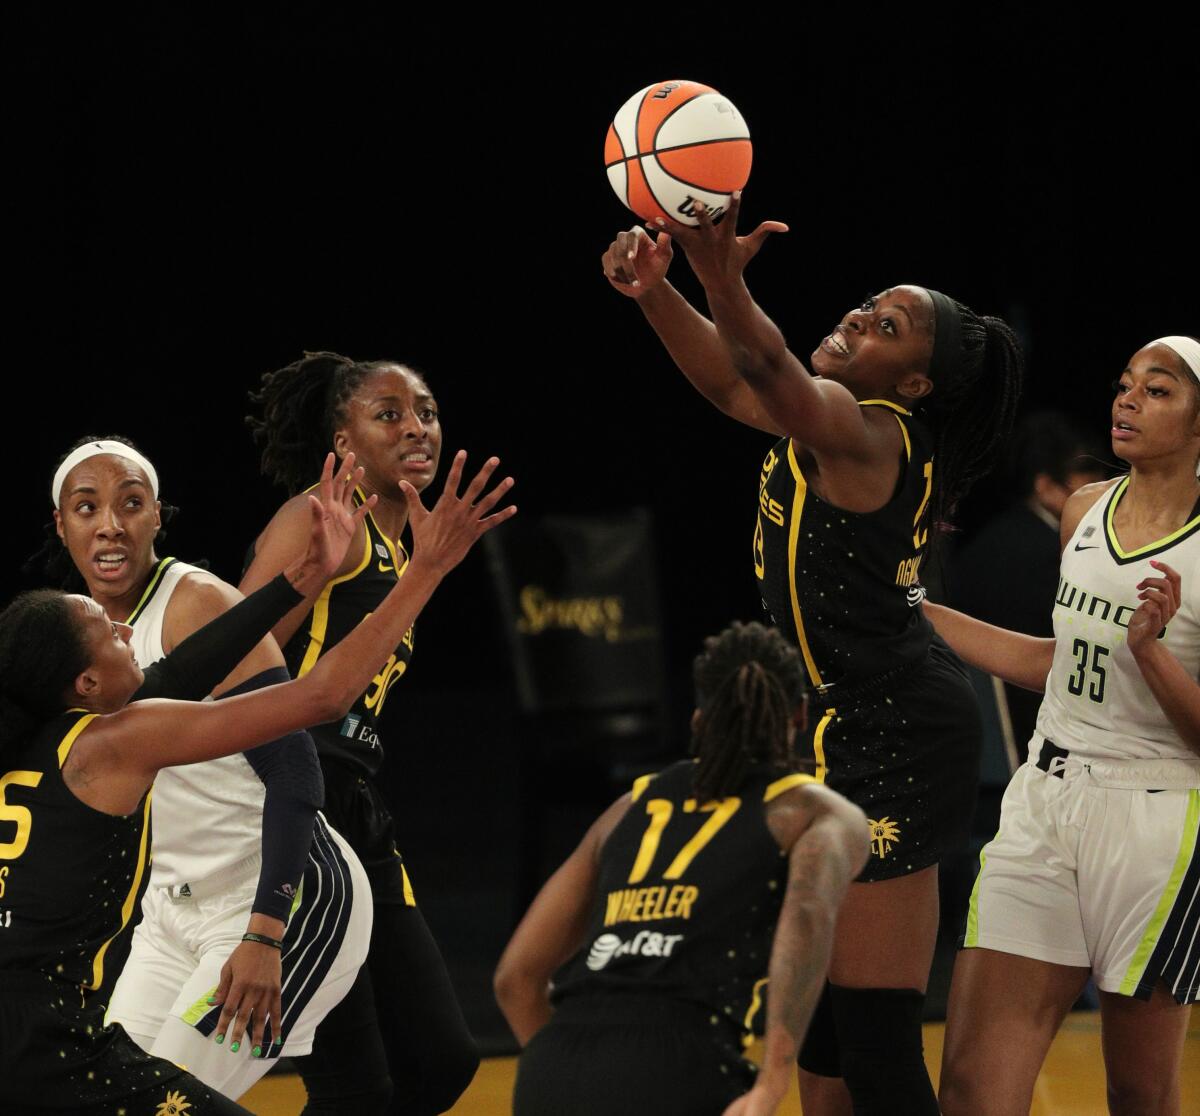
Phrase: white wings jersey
x=205 y=817
x=1097 y=704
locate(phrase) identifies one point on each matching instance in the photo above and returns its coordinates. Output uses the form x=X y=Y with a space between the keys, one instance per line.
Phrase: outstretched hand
x=717 y=254
x=335 y=519
x=635 y=264
x=443 y=536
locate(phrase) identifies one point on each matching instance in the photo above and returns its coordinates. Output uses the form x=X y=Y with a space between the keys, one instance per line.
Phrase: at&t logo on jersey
x=646 y=943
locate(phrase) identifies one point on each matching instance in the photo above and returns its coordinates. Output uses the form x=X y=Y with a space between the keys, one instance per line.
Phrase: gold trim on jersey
x=793 y=539
x=68 y=741
x=785 y=784
x=1110 y=532
x=151 y=589
x=895 y=407
x=320 y=612
x=819 y=745
x=127 y=906
x=639 y=785
x=885 y=403
x=752 y=1011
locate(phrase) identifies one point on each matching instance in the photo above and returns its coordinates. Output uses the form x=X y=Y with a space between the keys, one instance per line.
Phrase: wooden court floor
x=1072 y=1082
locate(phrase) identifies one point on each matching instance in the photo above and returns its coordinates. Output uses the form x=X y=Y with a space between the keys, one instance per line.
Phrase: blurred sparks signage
x=581 y=610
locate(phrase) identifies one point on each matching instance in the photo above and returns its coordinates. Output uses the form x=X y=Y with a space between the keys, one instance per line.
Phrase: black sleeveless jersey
x=689 y=894
x=343 y=603
x=843 y=585
x=69 y=874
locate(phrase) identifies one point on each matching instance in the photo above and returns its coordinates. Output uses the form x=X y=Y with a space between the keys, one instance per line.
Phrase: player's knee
x=1143 y=1096
x=348 y=1098
x=449 y=1077
x=879 y=1036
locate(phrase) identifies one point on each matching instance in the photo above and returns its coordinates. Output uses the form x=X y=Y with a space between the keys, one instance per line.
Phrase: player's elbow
x=757 y=366
x=512 y=986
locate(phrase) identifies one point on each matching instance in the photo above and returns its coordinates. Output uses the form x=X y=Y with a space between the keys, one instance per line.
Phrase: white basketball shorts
x=182 y=942
x=1097 y=865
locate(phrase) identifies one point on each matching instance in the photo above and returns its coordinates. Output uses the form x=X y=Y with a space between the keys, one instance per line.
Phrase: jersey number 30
x=660 y=810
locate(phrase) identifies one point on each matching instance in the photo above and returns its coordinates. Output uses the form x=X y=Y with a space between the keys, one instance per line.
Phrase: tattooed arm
x=827 y=841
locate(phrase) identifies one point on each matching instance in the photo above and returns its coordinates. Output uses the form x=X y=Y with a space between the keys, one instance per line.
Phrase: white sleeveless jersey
x=1097 y=704
x=205 y=817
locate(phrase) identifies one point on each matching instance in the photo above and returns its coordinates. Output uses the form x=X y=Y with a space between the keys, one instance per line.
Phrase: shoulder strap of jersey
x=897 y=411
x=780 y=786
x=72 y=734
x=151 y=588
x=639 y=786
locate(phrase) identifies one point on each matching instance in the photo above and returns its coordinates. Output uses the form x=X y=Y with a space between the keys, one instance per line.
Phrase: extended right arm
x=636 y=266
x=132 y=745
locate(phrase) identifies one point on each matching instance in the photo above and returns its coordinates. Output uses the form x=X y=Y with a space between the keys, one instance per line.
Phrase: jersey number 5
x=19 y=815
x=660 y=811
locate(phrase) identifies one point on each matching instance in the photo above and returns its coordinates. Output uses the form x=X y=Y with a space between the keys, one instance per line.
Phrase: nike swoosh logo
x=386 y=569
x=1095 y=546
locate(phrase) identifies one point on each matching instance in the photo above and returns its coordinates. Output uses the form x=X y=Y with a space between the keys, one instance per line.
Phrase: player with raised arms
x=683 y=898
x=1096 y=867
x=78 y=762
x=908 y=399
x=399 y=1033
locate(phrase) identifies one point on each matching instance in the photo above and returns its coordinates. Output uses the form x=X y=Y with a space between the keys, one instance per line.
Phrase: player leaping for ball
x=847 y=497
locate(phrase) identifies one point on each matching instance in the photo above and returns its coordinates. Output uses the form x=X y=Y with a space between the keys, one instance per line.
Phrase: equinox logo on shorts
x=646 y=943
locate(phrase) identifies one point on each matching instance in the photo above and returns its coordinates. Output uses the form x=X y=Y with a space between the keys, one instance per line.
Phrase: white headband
x=1186 y=349
x=93 y=449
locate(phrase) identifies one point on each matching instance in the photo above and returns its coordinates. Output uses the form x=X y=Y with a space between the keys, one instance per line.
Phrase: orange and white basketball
x=674 y=144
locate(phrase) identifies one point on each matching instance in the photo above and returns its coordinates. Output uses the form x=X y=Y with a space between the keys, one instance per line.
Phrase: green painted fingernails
x=234 y=1048
x=220 y=1038
x=257 y=1052
x=279 y=1041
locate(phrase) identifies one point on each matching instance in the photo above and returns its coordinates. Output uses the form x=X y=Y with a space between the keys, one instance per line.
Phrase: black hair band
x=947 y=337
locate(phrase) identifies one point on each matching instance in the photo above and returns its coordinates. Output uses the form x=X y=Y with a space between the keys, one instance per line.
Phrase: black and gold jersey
x=343 y=603
x=689 y=893
x=69 y=874
x=843 y=585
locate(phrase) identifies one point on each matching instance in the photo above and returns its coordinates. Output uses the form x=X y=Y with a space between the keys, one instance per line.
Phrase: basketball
x=674 y=144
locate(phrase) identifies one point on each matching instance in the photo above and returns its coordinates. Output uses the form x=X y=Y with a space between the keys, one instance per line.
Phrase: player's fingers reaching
x=417 y=512
x=485 y=505
x=454 y=476
x=731 y=213
x=757 y=238
x=502 y=516
x=479 y=481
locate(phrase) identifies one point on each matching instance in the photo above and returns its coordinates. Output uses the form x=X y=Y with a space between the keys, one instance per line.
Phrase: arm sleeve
x=209 y=654
x=295 y=790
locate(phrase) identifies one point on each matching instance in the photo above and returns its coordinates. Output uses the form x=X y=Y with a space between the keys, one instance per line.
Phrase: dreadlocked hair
x=52 y=560
x=302 y=404
x=42 y=651
x=971 y=412
x=749 y=683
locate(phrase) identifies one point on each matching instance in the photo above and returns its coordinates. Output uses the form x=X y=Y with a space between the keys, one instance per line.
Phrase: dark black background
x=194 y=200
